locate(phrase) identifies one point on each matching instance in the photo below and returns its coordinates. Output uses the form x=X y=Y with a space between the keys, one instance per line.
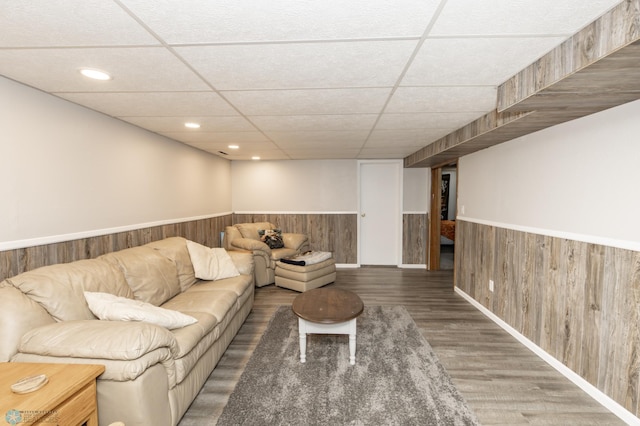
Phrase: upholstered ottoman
x=307 y=277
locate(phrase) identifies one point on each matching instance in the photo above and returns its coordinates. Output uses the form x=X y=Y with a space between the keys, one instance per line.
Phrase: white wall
x=579 y=180
x=312 y=186
x=416 y=186
x=67 y=171
x=294 y=186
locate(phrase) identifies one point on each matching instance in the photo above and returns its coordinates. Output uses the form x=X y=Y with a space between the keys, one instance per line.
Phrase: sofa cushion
x=113 y=308
x=188 y=337
x=215 y=302
x=175 y=248
x=250 y=230
x=59 y=288
x=211 y=263
x=238 y=285
x=152 y=277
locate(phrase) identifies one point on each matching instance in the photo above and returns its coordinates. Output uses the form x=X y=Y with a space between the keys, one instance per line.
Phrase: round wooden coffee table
x=327 y=311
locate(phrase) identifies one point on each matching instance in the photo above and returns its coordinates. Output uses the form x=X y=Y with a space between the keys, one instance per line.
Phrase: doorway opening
x=442 y=217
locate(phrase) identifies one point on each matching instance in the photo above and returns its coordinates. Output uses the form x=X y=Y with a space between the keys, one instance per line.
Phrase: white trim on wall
x=593 y=239
x=591 y=390
x=413 y=266
x=295 y=212
x=576 y=180
x=52 y=239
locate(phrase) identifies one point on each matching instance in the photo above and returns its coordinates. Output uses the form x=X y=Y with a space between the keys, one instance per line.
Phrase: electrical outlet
x=491 y=286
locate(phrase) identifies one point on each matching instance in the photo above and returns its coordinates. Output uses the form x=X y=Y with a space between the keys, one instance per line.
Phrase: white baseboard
x=413 y=266
x=347 y=265
x=617 y=409
x=406 y=266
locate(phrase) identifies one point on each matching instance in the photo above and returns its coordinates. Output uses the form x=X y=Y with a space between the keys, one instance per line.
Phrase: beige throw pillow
x=115 y=308
x=211 y=263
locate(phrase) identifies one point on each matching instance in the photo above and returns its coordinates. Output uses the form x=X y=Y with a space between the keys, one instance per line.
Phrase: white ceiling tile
x=426 y=120
x=476 y=61
x=39 y=23
x=508 y=17
x=314 y=122
x=218 y=137
x=326 y=101
x=207 y=124
x=245 y=147
x=132 y=69
x=157 y=104
x=404 y=138
x=443 y=99
x=197 y=21
x=351 y=138
x=315 y=154
x=300 y=65
x=386 y=153
x=264 y=150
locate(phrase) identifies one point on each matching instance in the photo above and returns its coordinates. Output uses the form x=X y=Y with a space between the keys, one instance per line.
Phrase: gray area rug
x=397 y=379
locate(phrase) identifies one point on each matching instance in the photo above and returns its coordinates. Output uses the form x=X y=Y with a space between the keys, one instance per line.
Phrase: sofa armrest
x=124 y=340
x=251 y=245
x=295 y=241
x=243 y=261
x=126 y=348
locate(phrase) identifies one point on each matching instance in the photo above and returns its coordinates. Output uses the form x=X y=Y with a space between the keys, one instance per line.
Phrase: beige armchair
x=246 y=237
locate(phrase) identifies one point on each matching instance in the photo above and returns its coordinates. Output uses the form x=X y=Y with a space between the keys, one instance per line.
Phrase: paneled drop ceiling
x=287 y=79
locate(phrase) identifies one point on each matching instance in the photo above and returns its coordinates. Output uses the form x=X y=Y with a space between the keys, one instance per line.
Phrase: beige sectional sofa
x=152 y=373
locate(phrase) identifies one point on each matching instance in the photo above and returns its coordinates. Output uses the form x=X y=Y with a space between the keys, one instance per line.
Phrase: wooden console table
x=69 y=398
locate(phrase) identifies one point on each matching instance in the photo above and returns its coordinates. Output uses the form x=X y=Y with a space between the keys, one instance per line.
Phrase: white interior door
x=380 y=220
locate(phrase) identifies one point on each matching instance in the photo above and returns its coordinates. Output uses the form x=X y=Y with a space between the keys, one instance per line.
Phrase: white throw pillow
x=211 y=263
x=115 y=308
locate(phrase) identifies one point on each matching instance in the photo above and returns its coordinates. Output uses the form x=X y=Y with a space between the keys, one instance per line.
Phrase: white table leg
x=352 y=342
x=347 y=328
x=303 y=339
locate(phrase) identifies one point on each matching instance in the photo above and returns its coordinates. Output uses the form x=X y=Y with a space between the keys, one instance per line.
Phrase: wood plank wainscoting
x=578 y=301
x=415 y=238
x=204 y=231
x=338 y=233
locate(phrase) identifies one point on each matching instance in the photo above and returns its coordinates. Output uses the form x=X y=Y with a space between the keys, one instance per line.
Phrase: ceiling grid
x=288 y=79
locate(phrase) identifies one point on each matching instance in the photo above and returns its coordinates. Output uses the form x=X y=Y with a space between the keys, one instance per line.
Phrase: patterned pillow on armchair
x=272 y=237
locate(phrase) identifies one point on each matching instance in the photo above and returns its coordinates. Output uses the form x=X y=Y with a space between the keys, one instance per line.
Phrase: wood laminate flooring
x=503 y=382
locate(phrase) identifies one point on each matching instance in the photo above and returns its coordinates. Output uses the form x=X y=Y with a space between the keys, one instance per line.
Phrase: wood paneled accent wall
x=578 y=301
x=337 y=233
x=415 y=237
x=203 y=231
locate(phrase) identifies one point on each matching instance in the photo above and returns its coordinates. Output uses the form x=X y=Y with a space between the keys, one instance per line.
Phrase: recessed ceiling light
x=233 y=147
x=255 y=157
x=95 y=74
x=192 y=125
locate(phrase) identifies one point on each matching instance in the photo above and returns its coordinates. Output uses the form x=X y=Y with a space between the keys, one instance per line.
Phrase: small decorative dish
x=29 y=384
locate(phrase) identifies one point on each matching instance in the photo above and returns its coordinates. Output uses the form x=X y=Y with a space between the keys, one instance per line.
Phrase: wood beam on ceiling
x=594 y=70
